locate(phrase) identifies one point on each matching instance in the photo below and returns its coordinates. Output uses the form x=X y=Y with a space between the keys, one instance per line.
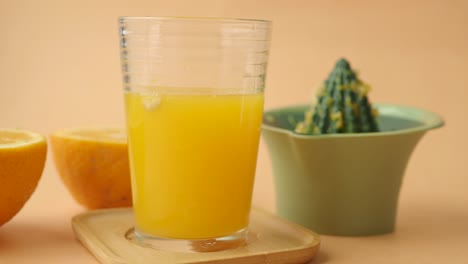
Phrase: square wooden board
x=277 y=241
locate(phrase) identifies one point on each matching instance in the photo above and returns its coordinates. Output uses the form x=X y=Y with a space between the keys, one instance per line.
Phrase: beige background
x=59 y=67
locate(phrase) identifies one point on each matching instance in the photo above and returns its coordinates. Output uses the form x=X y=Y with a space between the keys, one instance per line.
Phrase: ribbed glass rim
x=208 y=19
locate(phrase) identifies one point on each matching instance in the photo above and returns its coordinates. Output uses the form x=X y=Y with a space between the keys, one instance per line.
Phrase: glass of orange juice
x=194 y=104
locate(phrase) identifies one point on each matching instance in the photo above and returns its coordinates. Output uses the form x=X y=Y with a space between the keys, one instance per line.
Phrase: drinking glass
x=194 y=103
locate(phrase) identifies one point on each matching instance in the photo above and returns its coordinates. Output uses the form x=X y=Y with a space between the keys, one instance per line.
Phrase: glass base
x=236 y=240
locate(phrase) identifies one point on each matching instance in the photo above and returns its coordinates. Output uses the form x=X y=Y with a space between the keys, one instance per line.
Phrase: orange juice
x=193 y=160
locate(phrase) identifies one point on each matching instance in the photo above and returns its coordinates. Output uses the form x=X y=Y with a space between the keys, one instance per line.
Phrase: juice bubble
x=151 y=100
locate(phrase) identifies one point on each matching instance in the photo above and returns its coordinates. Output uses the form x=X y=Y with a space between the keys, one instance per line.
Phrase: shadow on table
x=27 y=235
x=420 y=229
x=322 y=257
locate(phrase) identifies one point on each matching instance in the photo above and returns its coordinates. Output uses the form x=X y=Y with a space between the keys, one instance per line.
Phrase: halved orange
x=93 y=165
x=22 y=159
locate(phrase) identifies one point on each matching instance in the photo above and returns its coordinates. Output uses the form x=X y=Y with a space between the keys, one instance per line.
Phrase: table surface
x=59 y=68
x=429 y=230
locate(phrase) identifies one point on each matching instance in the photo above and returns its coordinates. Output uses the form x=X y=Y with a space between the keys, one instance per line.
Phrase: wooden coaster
x=277 y=241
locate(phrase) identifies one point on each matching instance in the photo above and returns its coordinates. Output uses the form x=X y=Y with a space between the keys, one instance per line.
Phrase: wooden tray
x=277 y=241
